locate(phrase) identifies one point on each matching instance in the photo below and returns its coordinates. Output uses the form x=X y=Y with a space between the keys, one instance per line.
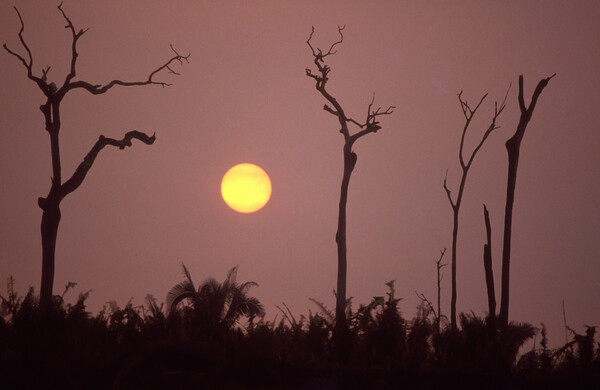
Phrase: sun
x=246 y=188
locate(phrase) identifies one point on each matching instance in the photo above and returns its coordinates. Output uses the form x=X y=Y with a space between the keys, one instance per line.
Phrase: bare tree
x=439 y=265
x=370 y=125
x=513 y=146
x=465 y=165
x=50 y=204
x=436 y=315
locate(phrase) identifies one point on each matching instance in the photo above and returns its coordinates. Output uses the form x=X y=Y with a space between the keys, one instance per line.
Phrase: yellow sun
x=246 y=188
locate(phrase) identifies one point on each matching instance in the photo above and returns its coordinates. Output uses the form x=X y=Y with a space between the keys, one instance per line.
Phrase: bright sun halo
x=246 y=188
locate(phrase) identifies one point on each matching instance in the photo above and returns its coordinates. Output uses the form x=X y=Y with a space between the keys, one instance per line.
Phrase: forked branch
x=74 y=54
x=319 y=53
x=469 y=113
x=371 y=124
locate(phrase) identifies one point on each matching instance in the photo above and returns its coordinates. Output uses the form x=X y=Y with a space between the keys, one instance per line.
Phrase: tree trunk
x=51 y=204
x=49 y=230
x=513 y=146
x=453 y=266
x=489 y=273
x=340 y=238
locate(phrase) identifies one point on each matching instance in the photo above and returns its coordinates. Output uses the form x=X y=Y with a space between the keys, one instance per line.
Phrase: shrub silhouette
x=143 y=347
x=214 y=307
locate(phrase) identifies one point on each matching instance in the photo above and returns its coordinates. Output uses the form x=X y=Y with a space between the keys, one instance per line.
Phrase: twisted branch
x=80 y=173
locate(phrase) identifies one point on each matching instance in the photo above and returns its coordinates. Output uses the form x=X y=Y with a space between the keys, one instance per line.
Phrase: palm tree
x=215 y=306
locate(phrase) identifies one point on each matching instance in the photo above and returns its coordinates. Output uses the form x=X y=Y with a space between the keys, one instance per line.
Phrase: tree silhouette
x=468 y=113
x=513 y=146
x=370 y=125
x=216 y=306
x=50 y=204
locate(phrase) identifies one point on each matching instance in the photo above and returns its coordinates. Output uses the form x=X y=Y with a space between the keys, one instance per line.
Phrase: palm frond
x=187 y=275
x=325 y=312
x=244 y=287
x=231 y=276
x=154 y=308
x=178 y=293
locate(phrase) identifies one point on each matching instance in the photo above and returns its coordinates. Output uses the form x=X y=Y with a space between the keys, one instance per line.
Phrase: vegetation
x=146 y=347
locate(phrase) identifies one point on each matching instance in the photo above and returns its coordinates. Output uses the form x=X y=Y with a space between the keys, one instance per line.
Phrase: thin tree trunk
x=489 y=273
x=453 y=269
x=513 y=146
x=513 y=161
x=340 y=238
x=439 y=266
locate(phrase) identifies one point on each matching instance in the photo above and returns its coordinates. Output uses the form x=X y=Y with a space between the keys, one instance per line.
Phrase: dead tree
x=439 y=266
x=513 y=146
x=370 y=125
x=489 y=272
x=455 y=204
x=437 y=316
x=54 y=95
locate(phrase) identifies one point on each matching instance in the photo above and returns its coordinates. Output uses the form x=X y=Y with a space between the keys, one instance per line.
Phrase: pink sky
x=244 y=97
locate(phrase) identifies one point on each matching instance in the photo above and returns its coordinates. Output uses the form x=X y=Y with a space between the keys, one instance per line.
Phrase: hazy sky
x=244 y=97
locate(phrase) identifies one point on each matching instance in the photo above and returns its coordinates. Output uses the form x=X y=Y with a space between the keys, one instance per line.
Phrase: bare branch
x=448 y=191
x=100 y=89
x=318 y=54
x=74 y=54
x=468 y=113
x=27 y=63
x=538 y=90
x=45 y=73
x=361 y=125
x=80 y=173
x=521 y=98
x=312 y=31
x=438 y=262
x=491 y=127
x=330 y=110
x=371 y=124
x=340 y=29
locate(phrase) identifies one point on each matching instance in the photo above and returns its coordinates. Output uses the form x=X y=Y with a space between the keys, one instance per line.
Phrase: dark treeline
x=145 y=347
